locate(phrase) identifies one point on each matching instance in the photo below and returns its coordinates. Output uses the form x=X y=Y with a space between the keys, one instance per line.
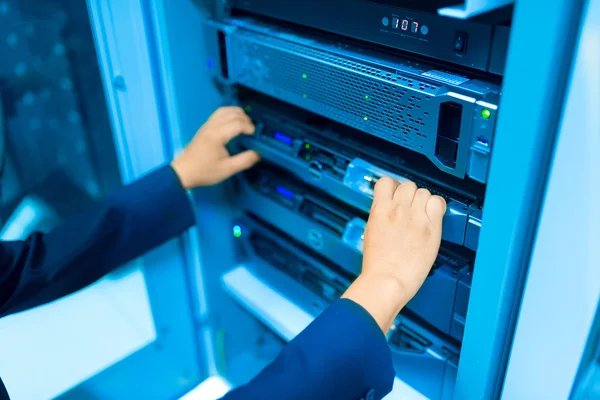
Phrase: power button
x=460 y=42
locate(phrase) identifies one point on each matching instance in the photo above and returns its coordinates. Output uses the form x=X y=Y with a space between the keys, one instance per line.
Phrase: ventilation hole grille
x=375 y=100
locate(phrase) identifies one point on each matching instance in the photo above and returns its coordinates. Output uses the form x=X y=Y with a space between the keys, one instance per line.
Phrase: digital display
x=408 y=25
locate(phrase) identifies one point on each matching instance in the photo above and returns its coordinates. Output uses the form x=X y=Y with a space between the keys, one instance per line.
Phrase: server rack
x=235 y=328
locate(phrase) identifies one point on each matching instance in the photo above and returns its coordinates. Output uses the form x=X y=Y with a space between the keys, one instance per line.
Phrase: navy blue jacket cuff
x=350 y=342
x=343 y=354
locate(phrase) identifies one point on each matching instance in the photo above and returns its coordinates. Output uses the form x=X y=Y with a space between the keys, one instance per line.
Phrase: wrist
x=178 y=167
x=382 y=296
x=391 y=285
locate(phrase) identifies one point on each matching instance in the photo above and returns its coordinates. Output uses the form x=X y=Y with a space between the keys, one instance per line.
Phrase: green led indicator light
x=366 y=96
x=305 y=96
x=237 y=231
x=248 y=109
x=307 y=158
x=304 y=76
x=485 y=113
x=366 y=118
x=307 y=146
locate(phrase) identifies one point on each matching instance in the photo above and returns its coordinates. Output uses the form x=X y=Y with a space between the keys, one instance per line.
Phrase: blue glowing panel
x=283 y=138
x=285 y=192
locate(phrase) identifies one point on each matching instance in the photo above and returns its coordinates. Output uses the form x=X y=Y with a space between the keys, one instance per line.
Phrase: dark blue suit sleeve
x=131 y=221
x=342 y=355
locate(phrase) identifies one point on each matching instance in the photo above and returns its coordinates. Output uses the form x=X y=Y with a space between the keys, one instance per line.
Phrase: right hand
x=403 y=235
x=402 y=239
x=205 y=161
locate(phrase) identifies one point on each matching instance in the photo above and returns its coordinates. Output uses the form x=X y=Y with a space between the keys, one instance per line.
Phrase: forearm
x=128 y=223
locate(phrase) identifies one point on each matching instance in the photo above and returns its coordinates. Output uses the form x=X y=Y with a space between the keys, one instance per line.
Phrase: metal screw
x=119 y=83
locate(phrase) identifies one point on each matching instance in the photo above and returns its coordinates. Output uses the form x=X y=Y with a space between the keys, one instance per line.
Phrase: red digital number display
x=405 y=24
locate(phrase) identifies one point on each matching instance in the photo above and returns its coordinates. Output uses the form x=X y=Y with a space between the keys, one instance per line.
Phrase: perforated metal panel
x=376 y=98
x=356 y=94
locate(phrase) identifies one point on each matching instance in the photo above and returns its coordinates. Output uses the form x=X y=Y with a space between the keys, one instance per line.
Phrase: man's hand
x=205 y=161
x=403 y=234
x=401 y=242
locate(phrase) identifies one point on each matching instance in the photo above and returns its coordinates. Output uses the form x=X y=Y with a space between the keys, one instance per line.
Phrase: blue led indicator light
x=285 y=192
x=283 y=138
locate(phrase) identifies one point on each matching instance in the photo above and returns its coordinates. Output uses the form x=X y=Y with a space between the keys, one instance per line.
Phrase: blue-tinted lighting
x=210 y=63
x=284 y=192
x=283 y=138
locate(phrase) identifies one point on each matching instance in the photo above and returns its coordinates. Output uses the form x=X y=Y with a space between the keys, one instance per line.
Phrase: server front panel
x=333 y=115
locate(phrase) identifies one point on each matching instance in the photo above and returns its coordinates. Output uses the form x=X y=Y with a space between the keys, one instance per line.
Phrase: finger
x=241 y=162
x=226 y=113
x=405 y=193
x=222 y=111
x=231 y=117
x=234 y=128
x=384 y=189
x=436 y=208
x=420 y=200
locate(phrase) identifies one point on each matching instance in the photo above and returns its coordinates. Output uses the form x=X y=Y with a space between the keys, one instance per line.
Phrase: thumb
x=241 y=162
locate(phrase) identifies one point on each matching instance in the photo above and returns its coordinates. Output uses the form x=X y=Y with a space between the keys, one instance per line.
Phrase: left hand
x=205 y=160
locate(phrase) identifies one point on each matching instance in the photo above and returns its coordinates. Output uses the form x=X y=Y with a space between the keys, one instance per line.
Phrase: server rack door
x=562 y=292
x=172 y=364
x=81 y=100
x=524 y=143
